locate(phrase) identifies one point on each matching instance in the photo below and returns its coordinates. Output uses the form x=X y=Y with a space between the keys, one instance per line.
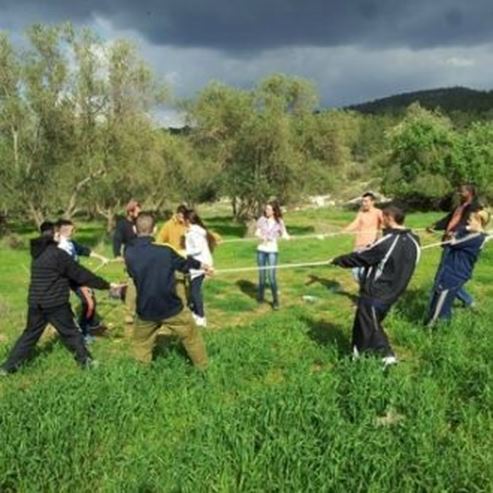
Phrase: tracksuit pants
x=441 y=303
x=62 y=318
x=368 y=333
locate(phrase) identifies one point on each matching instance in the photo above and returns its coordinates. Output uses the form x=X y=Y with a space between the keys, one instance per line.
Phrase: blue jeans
x=265 y=259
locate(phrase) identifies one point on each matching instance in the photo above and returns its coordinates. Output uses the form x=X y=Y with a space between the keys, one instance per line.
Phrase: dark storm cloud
x=256 y=25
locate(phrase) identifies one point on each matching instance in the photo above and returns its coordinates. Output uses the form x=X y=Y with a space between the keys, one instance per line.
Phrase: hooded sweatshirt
x=173 y=233
x=197 y=247
x=53 y=271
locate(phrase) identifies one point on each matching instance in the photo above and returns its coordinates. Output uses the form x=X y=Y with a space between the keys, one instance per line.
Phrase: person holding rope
x=199 y=244
x=367 y=227
x=124 y=234
x=52 y=272
x=270 y=227
x=153 y=268
x=457 y=266
x=388 y=265
x=88 y=319
x=450 y=224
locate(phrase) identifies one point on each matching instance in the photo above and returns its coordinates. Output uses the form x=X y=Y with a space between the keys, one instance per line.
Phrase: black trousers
x=368 y=333
x=196 y=297
x=62 y=318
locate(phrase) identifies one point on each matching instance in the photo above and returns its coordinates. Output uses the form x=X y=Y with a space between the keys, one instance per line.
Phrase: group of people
x=166 y=272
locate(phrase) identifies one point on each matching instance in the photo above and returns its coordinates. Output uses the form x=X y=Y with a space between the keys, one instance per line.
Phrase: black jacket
x=442 y=224
x=389 y=264
x=152 y=268
x=53 y=271
x=124 y=234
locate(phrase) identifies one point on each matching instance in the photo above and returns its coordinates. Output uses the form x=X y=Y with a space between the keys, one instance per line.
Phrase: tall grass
x=282 y=407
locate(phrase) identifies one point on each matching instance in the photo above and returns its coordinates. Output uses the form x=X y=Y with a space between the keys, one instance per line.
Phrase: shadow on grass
x=225 y=227
x=248 y=287
x=413 y=305
x=167 y=344
x=327 y=334
x=333 y=286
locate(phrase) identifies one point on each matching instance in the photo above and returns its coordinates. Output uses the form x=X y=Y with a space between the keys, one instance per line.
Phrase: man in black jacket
x=52 y=272
x=153 y=269
x=388 y=265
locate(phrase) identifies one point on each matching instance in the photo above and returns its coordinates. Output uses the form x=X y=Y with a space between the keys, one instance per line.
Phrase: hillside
x=449 y=100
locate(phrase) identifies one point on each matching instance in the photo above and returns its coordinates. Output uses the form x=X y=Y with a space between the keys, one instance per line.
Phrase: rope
x=327 y=262
x=318 y=236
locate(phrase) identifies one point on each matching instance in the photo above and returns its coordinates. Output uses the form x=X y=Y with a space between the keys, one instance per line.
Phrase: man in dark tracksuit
x=388 y=264
x=450 y=224
x=152 y=268
x=52 y=272
x=457 y=266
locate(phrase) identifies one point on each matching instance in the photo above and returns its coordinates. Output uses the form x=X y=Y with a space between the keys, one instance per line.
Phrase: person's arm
x=284 y=231
x=258 y=231
x=354 y=225
x=184 y=264
x=80 y=275
x=441 y=224
x=365 y=258
x=118 y=240
x=81 y=250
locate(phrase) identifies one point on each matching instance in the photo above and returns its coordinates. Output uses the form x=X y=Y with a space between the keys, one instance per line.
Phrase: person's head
x=478 y=220
x=145 y=224
x=273 y=210
x=65 y=228
x=181 y=213
x=133 y=209
x=47 y=229
x=466 y=192
x=367 y=201
x=393 y=217
x=191 y=217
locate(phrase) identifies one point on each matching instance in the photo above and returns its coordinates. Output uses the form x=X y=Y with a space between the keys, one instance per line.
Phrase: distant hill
x=449 y=100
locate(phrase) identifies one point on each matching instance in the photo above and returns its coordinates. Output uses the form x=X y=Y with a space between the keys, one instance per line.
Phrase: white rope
x=318 y=236
x=327 y=262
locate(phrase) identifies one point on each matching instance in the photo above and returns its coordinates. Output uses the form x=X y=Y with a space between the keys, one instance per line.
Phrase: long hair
x=276 y=208
x=193 y=218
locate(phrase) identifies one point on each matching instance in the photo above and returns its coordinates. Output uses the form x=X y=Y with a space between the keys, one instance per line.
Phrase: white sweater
x=196 y=246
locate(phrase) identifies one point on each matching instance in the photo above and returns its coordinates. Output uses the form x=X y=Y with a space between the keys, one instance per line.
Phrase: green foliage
x=428 y=158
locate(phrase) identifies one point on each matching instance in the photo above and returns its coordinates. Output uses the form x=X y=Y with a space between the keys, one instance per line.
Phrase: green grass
x=282 y=407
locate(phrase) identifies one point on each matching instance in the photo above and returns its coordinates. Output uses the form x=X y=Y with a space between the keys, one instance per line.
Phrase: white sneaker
x=389 y=361
x=201 y=321
x=356 y=354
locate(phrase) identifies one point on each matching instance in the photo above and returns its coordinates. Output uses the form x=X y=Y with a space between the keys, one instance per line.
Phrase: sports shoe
x=389 y=361
x=91 y=364
x=201 y=321
x=356 y=354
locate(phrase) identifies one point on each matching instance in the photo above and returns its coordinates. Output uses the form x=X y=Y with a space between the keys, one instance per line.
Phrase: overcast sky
x=354 y=50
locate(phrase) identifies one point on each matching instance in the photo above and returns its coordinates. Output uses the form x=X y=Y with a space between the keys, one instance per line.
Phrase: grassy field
x=282 y=408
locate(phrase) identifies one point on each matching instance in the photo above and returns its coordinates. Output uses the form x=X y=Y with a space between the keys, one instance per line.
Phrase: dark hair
x=276 y=208
x=370 y=195
x=64 y=222
x=470 y=187
x=182 y=209
x=47 y=228
x=145 y=223
x=396 y=213
x=193 y=218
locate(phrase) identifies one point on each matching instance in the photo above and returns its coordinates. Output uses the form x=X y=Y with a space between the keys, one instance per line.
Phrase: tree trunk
x=36 y=215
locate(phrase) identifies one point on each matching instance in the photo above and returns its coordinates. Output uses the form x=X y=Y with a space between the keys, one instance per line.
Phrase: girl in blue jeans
x=270 y=228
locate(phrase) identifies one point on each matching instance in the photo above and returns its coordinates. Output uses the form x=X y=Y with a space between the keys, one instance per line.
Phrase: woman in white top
x=270 y=227
x=199 y=244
